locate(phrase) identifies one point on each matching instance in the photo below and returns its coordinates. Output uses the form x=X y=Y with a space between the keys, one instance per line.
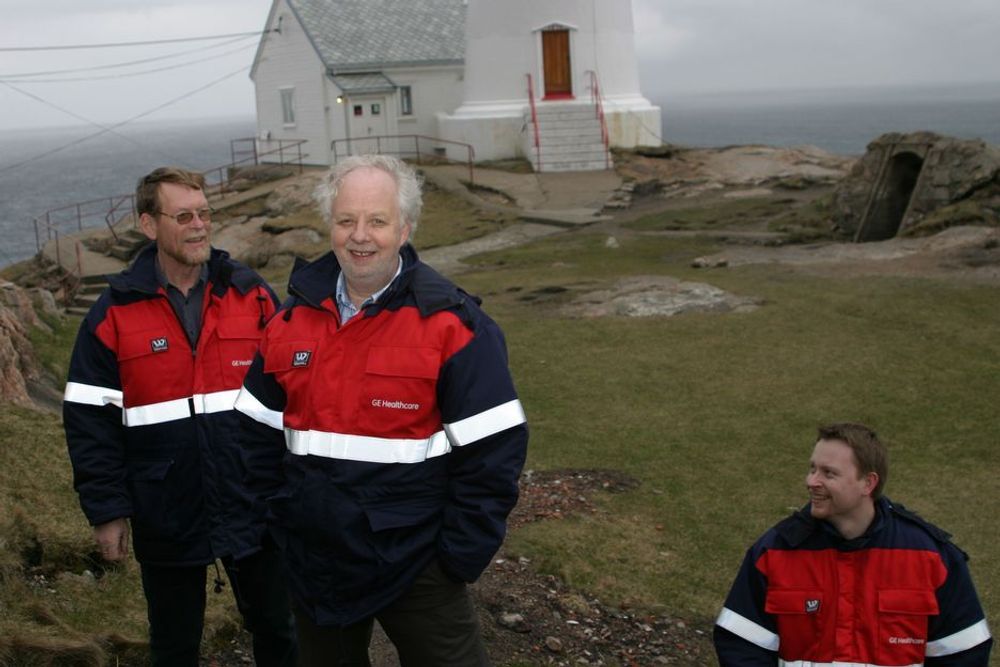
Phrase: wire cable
x=124 y=75
x=89 y=121
x=117 y=44
x=142 y=61
x=114 y=127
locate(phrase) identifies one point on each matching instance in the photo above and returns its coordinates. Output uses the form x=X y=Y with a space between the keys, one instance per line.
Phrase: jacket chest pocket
x=398 y=394
x=237 y=342
x=800 y=615
x=154 y=366
x=291 y=362
x=903 y=617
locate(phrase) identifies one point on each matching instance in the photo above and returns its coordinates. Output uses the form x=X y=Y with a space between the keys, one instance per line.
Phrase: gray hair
x=408 y=185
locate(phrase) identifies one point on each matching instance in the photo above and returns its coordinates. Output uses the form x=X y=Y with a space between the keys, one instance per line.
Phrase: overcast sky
x=684 y=47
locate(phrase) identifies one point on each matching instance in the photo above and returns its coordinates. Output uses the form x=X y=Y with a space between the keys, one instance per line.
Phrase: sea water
x=45 y=169
x=841 y=121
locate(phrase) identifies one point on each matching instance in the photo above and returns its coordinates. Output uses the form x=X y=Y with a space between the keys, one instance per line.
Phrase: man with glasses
x=151 y=429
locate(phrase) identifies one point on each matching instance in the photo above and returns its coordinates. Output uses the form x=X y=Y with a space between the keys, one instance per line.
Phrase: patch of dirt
x=529 y=618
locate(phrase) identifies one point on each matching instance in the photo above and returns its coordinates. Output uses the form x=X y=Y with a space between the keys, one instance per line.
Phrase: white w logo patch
x=158 y=344
x=301 y=358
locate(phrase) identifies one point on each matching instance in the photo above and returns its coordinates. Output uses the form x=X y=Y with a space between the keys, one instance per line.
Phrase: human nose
x=812 y=479
x=359 y=232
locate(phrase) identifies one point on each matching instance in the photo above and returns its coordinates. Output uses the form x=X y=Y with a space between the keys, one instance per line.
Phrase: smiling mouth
x=362 y=253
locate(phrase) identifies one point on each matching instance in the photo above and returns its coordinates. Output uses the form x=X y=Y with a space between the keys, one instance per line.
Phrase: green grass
x=52 y=613
x=716 y=414
x=726 y=213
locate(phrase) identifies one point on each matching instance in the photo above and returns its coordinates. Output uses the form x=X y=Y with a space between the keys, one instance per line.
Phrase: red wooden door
x=555 y=56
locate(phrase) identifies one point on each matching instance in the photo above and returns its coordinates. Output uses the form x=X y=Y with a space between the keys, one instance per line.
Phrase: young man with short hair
x=852 y=578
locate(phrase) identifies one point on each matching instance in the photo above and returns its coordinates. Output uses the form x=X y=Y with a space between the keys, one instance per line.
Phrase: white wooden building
x=330 y=71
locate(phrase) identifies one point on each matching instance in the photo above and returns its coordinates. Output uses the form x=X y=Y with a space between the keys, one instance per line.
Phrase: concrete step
x=563 y=131
x=568 y=109
x=90 y=291
x=572 y=152
x=580 y=143
x=85 y=300
x=96 y=281
x=123 y=252
x=573 y=166
x=571 y=121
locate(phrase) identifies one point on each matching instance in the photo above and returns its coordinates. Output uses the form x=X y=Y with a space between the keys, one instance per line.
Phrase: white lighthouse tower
x=566 y=68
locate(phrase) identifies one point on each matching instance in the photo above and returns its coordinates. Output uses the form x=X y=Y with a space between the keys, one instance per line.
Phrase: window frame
x=287 y=95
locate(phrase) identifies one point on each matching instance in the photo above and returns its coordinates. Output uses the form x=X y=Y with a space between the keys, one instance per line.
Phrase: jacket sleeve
x=958 y=636
x=745 y=635
x=261 y=403
x=488 y=433
x=95 y=435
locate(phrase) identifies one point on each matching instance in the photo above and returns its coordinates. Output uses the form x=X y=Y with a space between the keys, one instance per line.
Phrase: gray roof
x=360 y=34
x=364 y=83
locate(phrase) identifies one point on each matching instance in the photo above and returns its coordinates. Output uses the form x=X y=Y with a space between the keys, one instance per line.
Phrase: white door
x=368 y=116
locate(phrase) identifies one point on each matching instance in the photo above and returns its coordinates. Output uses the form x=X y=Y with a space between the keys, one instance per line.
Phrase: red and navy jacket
x=149 y=421
x=900 y=594
x=383 y=443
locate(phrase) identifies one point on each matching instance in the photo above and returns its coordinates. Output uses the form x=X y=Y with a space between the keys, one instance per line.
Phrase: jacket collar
x=315 y=282
x=798 y=527
x=140 y=276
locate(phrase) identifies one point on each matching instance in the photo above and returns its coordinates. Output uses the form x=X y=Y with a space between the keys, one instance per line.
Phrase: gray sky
x=683 y=46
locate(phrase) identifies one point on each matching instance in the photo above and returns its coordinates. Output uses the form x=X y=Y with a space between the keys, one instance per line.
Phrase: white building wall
x=288 y=60
x=434 y=89
x=503 y=45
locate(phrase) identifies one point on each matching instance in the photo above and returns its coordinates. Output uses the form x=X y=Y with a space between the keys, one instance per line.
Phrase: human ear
x=871 y=481
x=148 y=226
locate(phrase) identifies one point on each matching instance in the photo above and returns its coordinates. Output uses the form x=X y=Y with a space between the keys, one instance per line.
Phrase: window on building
x=288 y=106
x=376 y=109
x=405 y=101
x=359 y=110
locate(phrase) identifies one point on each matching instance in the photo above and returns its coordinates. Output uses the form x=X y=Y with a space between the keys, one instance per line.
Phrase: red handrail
x=534 y=120
x=595 y=99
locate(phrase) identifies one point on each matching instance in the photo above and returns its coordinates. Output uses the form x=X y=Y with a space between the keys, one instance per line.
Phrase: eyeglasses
x=184 y=217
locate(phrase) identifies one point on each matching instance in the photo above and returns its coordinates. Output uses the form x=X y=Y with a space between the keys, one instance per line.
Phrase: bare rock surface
x=920 y=173
x=448 y=259
x=966 y=252
x=652 y=296
x=18 y=365
x=752 y=170
x=293 y=195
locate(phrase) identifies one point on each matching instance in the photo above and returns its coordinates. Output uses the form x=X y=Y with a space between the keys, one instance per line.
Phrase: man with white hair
x=383 y=432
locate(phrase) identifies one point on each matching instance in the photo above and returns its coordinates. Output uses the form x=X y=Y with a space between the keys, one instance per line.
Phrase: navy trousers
x=175 y=603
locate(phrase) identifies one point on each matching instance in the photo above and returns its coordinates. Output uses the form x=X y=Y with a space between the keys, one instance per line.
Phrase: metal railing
x=389 y=144
x=534 y=121
x=217 y=179
x=74 y=217
x=595 y=99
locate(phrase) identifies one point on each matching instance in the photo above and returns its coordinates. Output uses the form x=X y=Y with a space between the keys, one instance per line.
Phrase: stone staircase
x=128 y=244
x=569 y=136
x=86 y=294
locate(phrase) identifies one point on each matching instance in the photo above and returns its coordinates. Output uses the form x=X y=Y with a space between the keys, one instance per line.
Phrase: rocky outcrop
x=914 y=183
x=293 y=196
x=19 y=368
x=652 y=296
